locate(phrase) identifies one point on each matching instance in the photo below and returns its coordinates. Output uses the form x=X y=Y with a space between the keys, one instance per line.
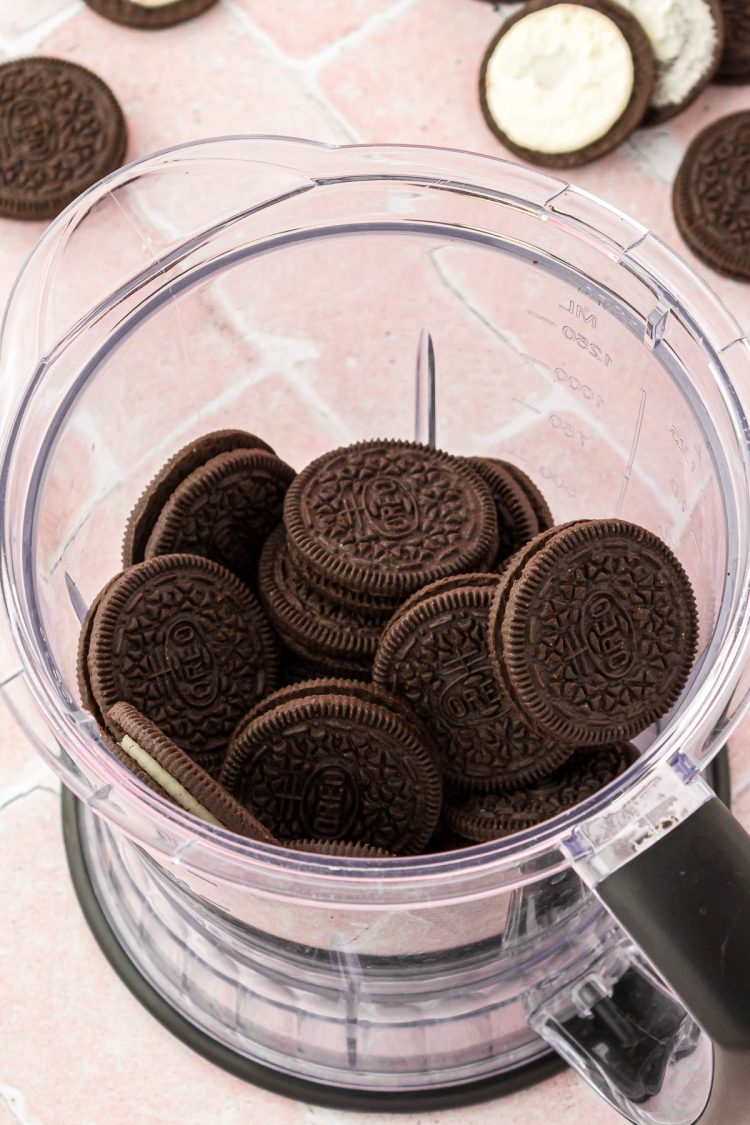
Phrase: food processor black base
x=265 y=1077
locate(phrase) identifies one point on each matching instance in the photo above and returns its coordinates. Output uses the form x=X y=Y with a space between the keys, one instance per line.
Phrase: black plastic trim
x=686 y=902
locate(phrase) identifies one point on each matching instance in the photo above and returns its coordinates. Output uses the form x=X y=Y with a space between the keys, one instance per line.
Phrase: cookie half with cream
x=149 y=14
x=687 y=37
x=172 y=772
x=564 y=83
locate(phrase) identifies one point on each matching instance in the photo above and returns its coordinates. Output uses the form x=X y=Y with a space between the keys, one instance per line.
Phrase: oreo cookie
x=151 y=501
x=174 y=774
x=224 y=510
x=490 y=816
x=710 y=196
x=687 y=38
x=336 y=767
x=82 y=663
x=435 y=656
x=562 y=83
x=734 y=66
x=61 y=130
x=516 y=518
x=531 y=491
x=150 y=15
x=186 y=643
x=304 y=617
x=594 y=634
x=328 y=686
x=387 y=517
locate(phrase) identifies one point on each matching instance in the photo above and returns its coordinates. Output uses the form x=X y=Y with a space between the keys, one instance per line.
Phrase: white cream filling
x=166 y=782
x=683 y=36
x=153 y=3
x=559 y=79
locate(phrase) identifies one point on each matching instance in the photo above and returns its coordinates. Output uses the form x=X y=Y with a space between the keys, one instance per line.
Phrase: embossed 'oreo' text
x=189 y=663
x=330 y=801
x=389 y=507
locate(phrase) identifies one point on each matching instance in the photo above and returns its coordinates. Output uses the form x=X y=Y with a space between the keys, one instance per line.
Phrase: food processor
x=317 y=296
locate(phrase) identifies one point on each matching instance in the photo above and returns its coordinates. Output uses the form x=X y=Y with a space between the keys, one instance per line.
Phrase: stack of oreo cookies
x=366 y=526
x=394 y=651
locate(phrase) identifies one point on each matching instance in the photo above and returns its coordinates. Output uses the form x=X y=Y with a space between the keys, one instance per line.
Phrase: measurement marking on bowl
x=633 y=451
x=522 y=402
x=574 y=384
x=538 y=316
x=568 y=430
x=555 y=478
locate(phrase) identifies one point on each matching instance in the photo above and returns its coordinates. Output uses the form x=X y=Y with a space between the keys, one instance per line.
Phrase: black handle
x=686 y=902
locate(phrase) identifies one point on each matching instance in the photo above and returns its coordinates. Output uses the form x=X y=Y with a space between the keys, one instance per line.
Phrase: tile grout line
x=351 y=38
x=30 y=39
x=304 y=71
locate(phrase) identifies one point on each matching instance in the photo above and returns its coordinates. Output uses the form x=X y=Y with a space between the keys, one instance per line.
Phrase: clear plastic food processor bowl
x=317 y=296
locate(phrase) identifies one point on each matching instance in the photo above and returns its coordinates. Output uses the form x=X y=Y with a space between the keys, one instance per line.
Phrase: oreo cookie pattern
x=390 y=516
x=598 y=633
x=61 y=130
x=711 y=196
x=491 y=815
x=224 y=511
x=435 y=656
x=179 y=466
x=187 y=644
x=334 y=767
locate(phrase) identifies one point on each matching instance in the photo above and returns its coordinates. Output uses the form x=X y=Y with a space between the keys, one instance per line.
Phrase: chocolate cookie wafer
x=184 y=462
x=596 y=634
x=531 y=491
x=513 y=568
x=303 y=616
x=366 y=692
x=516 y=518
x=149 y=15
x=489 y=816
x=710 y=195
x=442 y=586
x=435 y=656
x=61 y=130
x=174 y=773
x=562 y=83
x=82 y=663
x=224 y=510
x=126 y=760
x=335 y=767
x=734 y=66
x=187 y=644
x=388 y=517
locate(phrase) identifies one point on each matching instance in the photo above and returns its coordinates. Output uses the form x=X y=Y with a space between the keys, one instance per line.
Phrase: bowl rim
x=543 y=848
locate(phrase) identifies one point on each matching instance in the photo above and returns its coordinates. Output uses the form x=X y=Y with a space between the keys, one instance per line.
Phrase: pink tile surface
x=72 y=1039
